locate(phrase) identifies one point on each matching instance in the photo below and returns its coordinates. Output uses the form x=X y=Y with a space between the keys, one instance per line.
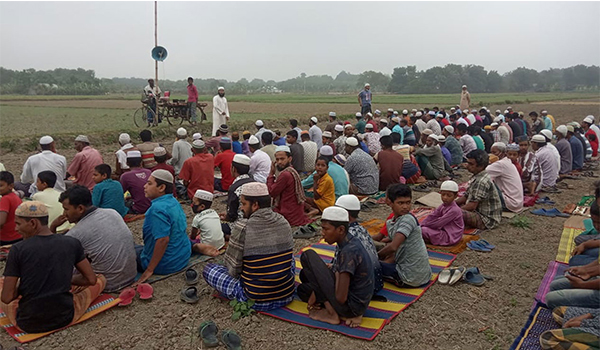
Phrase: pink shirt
x=192 y=93
x=445 y=226
x=83 y=164
x=506 y=176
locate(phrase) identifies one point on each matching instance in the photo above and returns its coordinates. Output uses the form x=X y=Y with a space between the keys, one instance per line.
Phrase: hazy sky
x=279 y=40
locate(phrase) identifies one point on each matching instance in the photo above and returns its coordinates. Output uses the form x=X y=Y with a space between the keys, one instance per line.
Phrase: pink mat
x=554 y=269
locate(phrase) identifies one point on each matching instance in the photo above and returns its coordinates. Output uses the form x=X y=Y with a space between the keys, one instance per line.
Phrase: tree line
x=403 y=80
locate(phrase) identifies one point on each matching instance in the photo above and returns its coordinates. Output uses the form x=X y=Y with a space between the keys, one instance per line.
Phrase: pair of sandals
x=471 y=275
x=550 y=212
x=209 y=331
x=426 y=187
x=145 y=291
x=480 y=246
x=189 y=294
x=306 y=231
x=581 y=210
x=552 y=189
x=368 y=205
x=545 y=200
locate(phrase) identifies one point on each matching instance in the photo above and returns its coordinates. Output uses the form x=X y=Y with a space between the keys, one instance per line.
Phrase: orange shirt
x=200 y=172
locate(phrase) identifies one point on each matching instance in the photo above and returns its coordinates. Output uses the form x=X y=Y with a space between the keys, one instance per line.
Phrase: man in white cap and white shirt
x=315 y=133
x=220 y=110
x=260 y=162
x=83 y=164
x=465 y=99
x=48 y=159
x=121 y=155
x=590 y=128
x=182 y=151
x=383 y=127
x=420 y=123
x=564 y=149
x=364 y=99
x=433 y=124
x=260 y=127
x=547 y=134
x=547 y=159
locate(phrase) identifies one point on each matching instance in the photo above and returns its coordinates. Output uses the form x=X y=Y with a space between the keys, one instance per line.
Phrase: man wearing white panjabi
x=220 y=110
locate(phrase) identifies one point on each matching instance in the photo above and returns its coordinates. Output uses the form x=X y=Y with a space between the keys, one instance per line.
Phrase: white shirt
x=152 y=91
x=47 y=160
x=209 y=225
x=385 y=131
x=556 y=155
x=122 y=156
x=219 y=106
x=316 y=135
x=434 y=126
x=421 y=125
x=260 y=166
x=182 y=151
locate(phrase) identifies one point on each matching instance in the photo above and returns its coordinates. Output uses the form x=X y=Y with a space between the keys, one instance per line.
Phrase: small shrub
x=241 y=309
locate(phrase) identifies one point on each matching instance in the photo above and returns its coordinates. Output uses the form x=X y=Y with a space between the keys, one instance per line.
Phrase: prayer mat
x=102 y=303
x=378 y=314
x=458 y=247
x=586 y=201
x=510 y=214
x=540 y=320
x=421 y=214
x=194 y=260
x=576 y=222
x=373 y=226
x=133 y=217
x=432 y=199
x=554 y=269
x=567 y=244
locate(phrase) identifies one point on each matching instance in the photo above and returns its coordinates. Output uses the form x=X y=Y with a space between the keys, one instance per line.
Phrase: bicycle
x=140 y=116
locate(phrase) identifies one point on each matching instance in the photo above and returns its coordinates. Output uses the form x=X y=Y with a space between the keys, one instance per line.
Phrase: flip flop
x=478 y=247
x=542 y=212
x=208 y=331
x=556 y=212
x=191 y=276
x=145 y=291
x=457 y=274
x=364 y=207
x=545 y=200
x=189 y=295
x=472 y=276
x=126 y=296
x=302 y=232
x=486 y=244
x=421 y=188
x=444 y=276
x=232 y=340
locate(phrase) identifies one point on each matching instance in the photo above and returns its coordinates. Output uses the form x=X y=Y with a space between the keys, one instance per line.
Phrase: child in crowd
x=134 y=181
x=512 y=152
x=48 y=195
x=445 y=226
x=404 y=261
x=107 y=193
x=161 y=156
x=342 y=292
x=236 y=146
x=207 y=224
x=8 y=204
x=323 y=189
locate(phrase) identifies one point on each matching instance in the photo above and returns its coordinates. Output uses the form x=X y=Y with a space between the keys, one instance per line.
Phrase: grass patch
x=520 y=221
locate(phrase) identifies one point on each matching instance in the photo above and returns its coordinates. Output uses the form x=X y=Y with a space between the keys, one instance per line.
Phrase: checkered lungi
x=473 y=219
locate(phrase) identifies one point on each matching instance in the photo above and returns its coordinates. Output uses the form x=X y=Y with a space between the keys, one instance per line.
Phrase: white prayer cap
x=181 y=132
x=326 y=151
x=358 y=115
x=570 y=128
x=259 y=123
x=562 y=129
x=204 y=195
x=314 y=120
x=124 y=138
x=414 y=110
x=538 y=139
x=367 y=84
x=221 y=88
x=544 y=112
x=498 y=119
x=369 y=126
x=134 y=154
x=327 y=134
x=433 y=136
x=255 y=189
x=348 y=202
x=352 y=141
x=405 y=112
x=395 y=112
x=449 y=185
x=501 y=146
x=160 y=151
x=340 y=158
x=46 y=140
x=589 y=119
x=197 y=136
x=441 y=138
x=198 y=144
x=283 y=149
x=452 y=109
x=339 y=127
x=390 y=109
x=253 y=140
x=464 y=86
x=473 y=111
x=427 y=132
x=332 y=114
x=547 y=133
x=449 y=128
x=383 y=120
x=335 y=214
x=498 y=111
x=509 y=108
x=347 y=126
x=575 y=124
x=241 y=159
x=431 y=113
x=369 y=114
x=82 y=138
x=439 y=115
x=505 y=111
x=396 y=120
x=418 y=114
x=494 y=124
x=163 y=175
x=378 y=112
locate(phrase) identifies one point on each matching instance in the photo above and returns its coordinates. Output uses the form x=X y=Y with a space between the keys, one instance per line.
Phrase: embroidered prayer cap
x=433 y=136
x=418 y=114
x=241 y=159
x=327 y=134
x=82 y=138
x=449 y=185
x=46 y=140
x=589 y=119
x=338 y=127
x=134 y=154
x=358 y=115
x=427 y=132
x=352 y=141
x=253 y=140
x=314 y=120
x=259 y=123
x=348 y=126
x=441 y=138
x=348 y=202
x=31 y=209
x=335 y=214
x=224 y=128
x=562 y=129
x=405 y=112
x=283 y=149
x=340 y=158
x=124 y=138
x=221 y=88
x=449 y=128
x=181 y=132
x=326 y=151
x=547 y=133
x=501 y=146
x=332 y=114
x=163 y=175
x=369 y=126
x=198 y=144
x=197 y=136
x=255 y=189
x=369 y=114
x=160 y=151
x=384 y=121
x=512 y=147
x=225 y=140
x=396 y=120
x=390 y=110
x=378 y=112
x=538 y=139
x=204 y=195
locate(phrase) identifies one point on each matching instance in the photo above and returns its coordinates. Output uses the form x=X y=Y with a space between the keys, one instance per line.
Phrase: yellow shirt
x=49 y=197
x=553 y=122
x=326 y=190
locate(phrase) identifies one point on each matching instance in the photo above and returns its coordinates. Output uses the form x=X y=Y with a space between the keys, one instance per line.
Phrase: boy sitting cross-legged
x=445 y=226
x=344 y=290
x=206 y=224
x=404 y=261
x=107 y=193
x=48 y=195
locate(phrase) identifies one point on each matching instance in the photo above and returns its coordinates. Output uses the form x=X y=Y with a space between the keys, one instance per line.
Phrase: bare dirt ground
x=446 y=317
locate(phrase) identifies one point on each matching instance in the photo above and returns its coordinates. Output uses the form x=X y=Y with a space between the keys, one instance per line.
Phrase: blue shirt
x=364 y=147
x=109 y=194
x=547 y=123
x=165 y=218
x=337 y=174
x=280 y=142
x=398 y=129
x=447 y=155
x=237 y=147
x=577 y=151
x=365 y=97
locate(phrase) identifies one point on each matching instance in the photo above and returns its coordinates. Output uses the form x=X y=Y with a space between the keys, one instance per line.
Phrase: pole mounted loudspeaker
x=159 y=53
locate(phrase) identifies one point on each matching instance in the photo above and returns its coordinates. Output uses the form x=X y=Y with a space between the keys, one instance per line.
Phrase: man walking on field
x=192 y=99
x=465 y=99
x=364 y=99
x=220 y=110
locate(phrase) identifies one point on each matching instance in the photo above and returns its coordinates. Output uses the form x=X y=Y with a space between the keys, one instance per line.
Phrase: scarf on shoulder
x=300 y=198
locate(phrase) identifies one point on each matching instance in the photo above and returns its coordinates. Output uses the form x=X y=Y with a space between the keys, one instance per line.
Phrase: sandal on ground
x=545 y=200
x=145 y=291
x=191 y=276
x=231 y=339
x=478 y=247
x=126 y=296
x=189 y=295
x=486 y=244
x=550 y=190
x=472 y=276
x=208 y=331
x=421 y=188
x=556 y=212
x=457 y=274
x=431 y=183
x=444 y=276
x=303 y=232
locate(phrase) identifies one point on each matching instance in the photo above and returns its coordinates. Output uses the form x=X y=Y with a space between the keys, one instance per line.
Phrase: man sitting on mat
x=39 y=291
x=404 y=261
x=342 y=292
x=445 y=226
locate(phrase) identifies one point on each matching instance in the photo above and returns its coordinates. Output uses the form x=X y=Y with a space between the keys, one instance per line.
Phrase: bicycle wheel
x=173 y=117
x=140 y=117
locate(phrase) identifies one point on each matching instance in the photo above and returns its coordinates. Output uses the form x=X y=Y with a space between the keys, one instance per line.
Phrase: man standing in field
x=465 y=99
x=364 y=99
x=192 y=99
x=220 y=110
x=152 y=93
